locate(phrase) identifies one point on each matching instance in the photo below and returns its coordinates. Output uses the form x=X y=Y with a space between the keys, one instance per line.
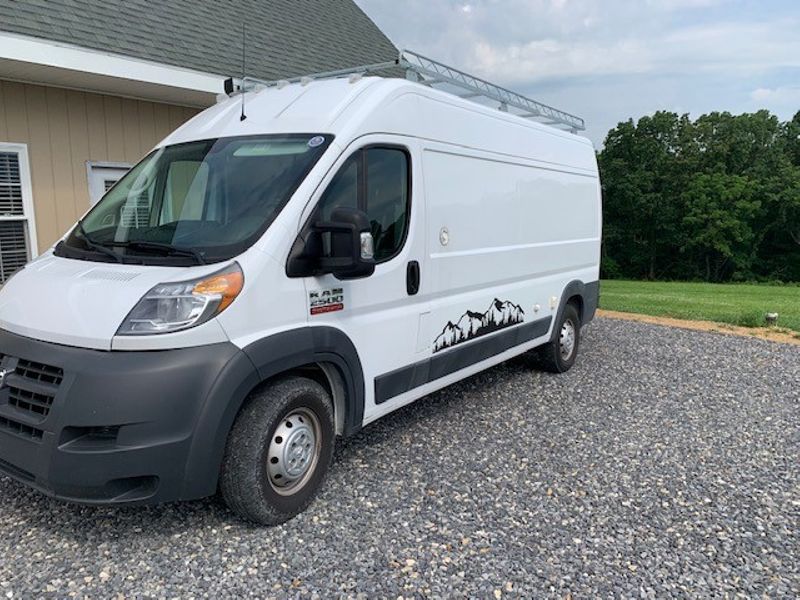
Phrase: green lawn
x=737 y=304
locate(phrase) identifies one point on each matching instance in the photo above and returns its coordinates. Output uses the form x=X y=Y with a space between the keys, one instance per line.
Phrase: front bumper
x=100 y=427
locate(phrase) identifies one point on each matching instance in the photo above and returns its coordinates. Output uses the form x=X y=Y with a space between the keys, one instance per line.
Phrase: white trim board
x=24 y=58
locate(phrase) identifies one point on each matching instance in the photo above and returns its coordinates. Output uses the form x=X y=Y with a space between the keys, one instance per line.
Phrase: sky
x=611 y=60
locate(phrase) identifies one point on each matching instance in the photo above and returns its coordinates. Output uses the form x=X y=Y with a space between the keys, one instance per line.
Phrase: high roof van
x=271 y=277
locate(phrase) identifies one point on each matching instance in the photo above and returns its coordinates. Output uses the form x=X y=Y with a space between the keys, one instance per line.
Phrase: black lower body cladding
x=396 y=382
x=103 y=427
x=589 y=293
x=591 y=300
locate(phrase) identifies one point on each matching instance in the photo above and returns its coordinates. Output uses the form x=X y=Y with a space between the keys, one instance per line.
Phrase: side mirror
x=350 y=248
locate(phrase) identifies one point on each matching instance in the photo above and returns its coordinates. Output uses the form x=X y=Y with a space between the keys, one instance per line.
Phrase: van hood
x=79 y=303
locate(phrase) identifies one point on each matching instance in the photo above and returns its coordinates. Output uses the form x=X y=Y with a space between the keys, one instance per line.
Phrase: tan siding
x=3 y=126
x=162 y=121
x=65 y=129
x=16 y=109
x=175 y=117
x=115 y=138
x=147 y=126
x=188 y=113
x=60 y=157
x=96 y=122
x=132 y=145
x=79 y=149
x=39 y=152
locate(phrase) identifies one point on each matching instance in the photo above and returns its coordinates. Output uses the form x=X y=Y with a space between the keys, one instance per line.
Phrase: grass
x=736 y=304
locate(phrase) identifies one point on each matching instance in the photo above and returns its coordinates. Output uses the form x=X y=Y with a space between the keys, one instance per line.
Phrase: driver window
x=343 y=190
x=374 y=180
x=387 y=199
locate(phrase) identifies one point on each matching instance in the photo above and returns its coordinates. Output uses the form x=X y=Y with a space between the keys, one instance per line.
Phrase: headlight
x=174 y=306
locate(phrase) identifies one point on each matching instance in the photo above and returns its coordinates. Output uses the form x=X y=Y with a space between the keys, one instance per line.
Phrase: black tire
x=550 y=357
x=247 y=486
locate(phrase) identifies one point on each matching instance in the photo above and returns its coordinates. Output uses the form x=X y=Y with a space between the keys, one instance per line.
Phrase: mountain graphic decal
x=499 y=315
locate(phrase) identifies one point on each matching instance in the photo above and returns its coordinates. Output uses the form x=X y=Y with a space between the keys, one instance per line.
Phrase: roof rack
x=440 y=76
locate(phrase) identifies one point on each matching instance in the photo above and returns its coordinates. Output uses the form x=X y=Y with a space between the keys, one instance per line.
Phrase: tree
x=642 y=169
x=718 y=212
x=740 y=144
x=789 y=210
x=792 y=136
x=779 y=252
x=715 y=198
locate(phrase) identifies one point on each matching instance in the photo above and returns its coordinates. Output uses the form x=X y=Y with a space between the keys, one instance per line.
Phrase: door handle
x=412 y=278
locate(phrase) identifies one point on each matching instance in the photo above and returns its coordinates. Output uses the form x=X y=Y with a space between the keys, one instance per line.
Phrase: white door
x=102 y=177
x=379 y=313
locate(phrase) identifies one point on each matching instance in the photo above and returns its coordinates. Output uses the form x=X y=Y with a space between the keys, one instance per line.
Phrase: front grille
x=30 y=401
x=33 y=386
x=21 y=429
x=39 y=372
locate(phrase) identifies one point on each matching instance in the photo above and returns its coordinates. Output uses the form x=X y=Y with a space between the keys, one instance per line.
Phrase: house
x=87 y=87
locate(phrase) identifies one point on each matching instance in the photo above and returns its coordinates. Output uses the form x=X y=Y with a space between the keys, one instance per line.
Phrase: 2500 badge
x=325 y=301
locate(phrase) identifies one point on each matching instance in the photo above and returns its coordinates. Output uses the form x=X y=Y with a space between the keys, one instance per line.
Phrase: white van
x=255 y=287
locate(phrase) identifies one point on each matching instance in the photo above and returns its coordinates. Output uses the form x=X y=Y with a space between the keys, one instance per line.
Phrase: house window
x=102 y=177
x=17 y=227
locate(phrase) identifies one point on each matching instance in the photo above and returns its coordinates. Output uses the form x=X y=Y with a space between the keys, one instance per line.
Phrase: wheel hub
x=566 y=339
x=292 y=451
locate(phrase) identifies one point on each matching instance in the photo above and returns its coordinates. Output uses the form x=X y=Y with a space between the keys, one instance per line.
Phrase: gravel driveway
x=666 y=462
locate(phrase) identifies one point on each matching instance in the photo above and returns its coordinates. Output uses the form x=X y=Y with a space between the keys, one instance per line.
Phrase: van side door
x=380 y=313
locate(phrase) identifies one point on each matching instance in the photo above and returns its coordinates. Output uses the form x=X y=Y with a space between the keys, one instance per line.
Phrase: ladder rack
x=437 y=75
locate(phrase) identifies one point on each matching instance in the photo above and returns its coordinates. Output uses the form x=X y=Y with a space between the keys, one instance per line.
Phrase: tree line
x=714 y=199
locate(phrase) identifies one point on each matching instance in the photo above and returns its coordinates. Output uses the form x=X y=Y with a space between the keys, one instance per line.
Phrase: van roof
x=349 y=107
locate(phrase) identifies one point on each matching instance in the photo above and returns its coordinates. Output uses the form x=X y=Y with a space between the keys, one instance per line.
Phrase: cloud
x=783 y=99
x=782 y=94
x=613 y=60
x=728 y=48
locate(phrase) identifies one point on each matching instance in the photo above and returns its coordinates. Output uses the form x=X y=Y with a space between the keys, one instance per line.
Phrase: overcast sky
x=609 y=60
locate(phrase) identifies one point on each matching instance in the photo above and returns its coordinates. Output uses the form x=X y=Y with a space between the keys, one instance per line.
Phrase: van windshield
x=196 y=202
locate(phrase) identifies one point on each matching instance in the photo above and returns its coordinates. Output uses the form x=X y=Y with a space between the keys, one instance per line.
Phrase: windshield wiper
x=105 y=247
x=166 y=248
x=97 y=247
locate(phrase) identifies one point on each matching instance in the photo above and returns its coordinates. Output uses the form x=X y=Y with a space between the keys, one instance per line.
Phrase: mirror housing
x=351 y=247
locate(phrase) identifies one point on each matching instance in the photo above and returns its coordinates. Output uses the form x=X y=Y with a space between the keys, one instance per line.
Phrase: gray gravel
x=665 y=463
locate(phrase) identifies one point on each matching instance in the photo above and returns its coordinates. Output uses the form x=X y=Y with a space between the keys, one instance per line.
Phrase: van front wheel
x=559 y=355
x=278 y=451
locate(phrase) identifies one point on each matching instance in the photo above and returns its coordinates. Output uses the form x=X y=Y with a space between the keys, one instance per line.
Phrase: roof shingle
x=284 y=37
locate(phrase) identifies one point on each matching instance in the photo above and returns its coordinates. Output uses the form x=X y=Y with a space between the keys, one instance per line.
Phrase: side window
x=374 y=180
x=343 y=189
x=387 y=199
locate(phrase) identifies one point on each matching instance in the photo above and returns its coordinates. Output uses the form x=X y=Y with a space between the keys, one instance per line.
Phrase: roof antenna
x=243 y=116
